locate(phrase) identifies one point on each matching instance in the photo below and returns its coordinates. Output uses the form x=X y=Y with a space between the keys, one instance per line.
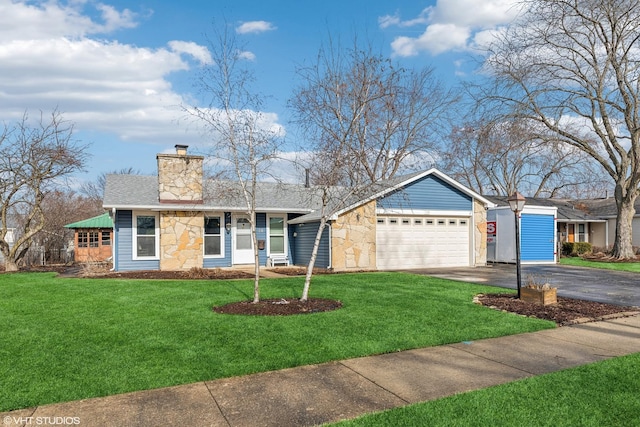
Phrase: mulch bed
x=567 y=311
x=279 y=307
x=176 y=275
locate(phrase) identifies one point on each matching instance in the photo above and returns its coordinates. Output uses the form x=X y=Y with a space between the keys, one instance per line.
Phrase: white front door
x=242 y=242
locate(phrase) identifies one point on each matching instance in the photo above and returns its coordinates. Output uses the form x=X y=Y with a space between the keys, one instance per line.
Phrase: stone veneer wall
x=353 y=239
x=181 y=240
x=480 y=233
x=180 y=177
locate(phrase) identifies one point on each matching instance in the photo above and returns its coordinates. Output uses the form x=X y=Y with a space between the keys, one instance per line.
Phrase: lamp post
x=516 y=203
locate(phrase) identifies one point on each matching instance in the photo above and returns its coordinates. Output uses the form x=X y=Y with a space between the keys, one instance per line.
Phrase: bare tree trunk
x=623 y=244
x=10 y=265
x=256 y=260
x=312 y=261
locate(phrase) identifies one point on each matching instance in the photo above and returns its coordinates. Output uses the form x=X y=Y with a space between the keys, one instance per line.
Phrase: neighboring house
x=544 y=220
x=93 y=238
x=177 y=221
x=607 y=210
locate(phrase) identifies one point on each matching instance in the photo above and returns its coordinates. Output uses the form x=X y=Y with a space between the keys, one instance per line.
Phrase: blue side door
x=537 y=237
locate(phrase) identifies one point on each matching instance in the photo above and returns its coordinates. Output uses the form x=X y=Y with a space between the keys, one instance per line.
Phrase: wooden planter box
x=539 y=296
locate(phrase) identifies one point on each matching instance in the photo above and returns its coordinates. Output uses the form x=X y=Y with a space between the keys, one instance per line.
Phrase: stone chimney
x=180 y=177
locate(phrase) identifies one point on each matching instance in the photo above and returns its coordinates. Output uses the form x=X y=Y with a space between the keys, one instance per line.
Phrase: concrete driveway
x=613 y=287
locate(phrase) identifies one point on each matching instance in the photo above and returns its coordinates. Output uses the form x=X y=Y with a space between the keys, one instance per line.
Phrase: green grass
x=633 y=267
x=65 y=339
x=601 y=394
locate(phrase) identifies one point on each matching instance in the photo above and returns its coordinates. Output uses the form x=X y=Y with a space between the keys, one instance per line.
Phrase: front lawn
x=606 y=393
x=633 y=267
x=65 y=339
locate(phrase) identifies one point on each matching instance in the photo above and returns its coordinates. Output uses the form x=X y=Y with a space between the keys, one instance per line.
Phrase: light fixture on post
x=227 y=227
x=516 y=203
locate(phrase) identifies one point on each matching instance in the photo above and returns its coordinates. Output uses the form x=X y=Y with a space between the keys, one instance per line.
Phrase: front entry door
x=243 y=243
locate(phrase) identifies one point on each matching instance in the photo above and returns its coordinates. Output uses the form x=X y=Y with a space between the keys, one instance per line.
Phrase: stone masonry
x=480 y=233
x=353 y=239
x=181 y=231
x=181 y=240
x=180 y=178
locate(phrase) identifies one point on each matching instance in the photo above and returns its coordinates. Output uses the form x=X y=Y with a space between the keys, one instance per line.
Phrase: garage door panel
x=423 y=242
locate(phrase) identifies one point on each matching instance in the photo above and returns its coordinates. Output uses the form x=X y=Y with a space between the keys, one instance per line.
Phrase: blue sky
x=120 y=69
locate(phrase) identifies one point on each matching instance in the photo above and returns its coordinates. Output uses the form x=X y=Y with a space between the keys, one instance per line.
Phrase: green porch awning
x=100 y=221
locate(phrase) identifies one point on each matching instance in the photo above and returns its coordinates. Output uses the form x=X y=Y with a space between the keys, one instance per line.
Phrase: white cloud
x=388 y=21
x=254 y=27
x=438 y=38
x=249 y=56
x=49 y=59
x=451 y=25
x=198 y=52
x=22 y=20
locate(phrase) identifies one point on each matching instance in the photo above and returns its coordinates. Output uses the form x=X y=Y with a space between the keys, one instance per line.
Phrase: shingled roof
x=568 y=210
x=141 y=192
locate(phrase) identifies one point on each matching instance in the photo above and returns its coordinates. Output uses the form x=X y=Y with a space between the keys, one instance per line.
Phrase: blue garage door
x=537 y=237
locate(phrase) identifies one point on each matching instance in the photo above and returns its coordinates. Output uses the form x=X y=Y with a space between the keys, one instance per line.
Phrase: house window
x=452 y=222
x=406 y=221
x=94 y=238
x=146 y=236
x=212 y=236
x=442 y=222
x=83 y=239
x=429 y=222
x=393 y=221
x=106 y=237
x=417 y=221
x=582 y=235
x=463 y=222
x=380 y=220
x=276 y=235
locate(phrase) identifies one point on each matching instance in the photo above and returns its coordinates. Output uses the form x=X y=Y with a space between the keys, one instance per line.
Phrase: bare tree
x=60 y=207
x=328 y=175
x=573 y=66
x=94 y=190
x=33 y=161
x=364 y=119
x=236 y=124
x=503 y=156
x=381 y=117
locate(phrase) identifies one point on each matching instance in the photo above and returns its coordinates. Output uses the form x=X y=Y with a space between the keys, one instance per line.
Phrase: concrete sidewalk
x=329 y=392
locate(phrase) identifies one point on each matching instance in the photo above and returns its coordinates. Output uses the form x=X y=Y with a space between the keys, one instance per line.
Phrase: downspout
x=330 y=266
x=113 y=244
x=473 y=233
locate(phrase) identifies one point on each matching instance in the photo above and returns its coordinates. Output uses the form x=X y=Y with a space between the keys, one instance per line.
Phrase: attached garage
x=422 y=241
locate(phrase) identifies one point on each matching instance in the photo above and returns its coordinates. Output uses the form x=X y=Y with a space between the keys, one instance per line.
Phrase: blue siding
x=537 y=237
x=428 y=193
x=261 y=234
x=123 y=227
x=303 y=245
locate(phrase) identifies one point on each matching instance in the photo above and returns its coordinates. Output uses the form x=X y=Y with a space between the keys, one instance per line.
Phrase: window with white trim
x=582 y=233
x=277 y=229
x=213 y=236
x=145 y=235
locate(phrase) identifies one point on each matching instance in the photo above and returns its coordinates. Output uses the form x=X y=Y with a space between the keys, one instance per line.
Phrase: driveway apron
x=612 y=287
